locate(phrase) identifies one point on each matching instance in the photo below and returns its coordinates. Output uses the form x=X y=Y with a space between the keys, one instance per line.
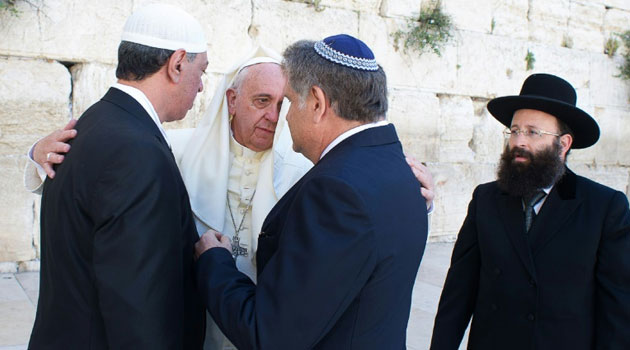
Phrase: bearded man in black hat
x=542 y=260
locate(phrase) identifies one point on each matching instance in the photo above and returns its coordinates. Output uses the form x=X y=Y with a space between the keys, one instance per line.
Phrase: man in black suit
x=338 y=254
x=542 y=261
x=117 y=229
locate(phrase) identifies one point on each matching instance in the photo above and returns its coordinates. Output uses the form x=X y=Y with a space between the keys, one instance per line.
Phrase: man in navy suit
x=338 y=254
x=542 y=261
x=117 y=229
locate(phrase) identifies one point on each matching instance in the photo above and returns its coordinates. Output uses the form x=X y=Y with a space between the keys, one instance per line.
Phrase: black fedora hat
x=550 y=94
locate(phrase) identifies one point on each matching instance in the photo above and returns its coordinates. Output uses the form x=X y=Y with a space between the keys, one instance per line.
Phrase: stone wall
x=58 y=56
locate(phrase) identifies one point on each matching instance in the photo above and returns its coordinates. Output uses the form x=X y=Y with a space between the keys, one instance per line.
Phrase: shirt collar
x=351 y=132
x=143 y=100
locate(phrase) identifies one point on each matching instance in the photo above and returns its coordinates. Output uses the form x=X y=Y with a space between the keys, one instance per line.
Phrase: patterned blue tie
x=530 y=202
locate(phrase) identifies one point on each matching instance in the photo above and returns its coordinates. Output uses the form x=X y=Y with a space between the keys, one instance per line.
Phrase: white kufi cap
x=165 y=27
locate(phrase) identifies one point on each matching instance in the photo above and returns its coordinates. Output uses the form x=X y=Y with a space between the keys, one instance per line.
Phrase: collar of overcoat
x=557 y=209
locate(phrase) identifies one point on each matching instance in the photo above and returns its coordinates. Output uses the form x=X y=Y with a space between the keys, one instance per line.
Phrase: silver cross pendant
x=237 y=249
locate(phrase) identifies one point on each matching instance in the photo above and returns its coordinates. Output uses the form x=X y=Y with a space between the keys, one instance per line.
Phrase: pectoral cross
x=237 y=249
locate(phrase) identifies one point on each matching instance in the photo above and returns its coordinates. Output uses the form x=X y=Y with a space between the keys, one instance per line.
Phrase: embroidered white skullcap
x=164 y=27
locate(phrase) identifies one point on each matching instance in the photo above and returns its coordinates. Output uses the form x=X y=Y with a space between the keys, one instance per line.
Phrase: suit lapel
x=511 y=213
x=557 y=209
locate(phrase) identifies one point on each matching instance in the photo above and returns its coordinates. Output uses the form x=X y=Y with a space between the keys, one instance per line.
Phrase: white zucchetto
x=165 y=27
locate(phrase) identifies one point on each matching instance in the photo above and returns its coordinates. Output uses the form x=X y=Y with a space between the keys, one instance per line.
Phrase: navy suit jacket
x=117 y=238
x=337 y=258
x=568 y=287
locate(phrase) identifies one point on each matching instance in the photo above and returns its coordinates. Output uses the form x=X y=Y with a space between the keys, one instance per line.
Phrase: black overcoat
x=117 y=238
x=566 y=287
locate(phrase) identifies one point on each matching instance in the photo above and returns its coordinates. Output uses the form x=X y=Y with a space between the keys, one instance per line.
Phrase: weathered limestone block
x=279 y=24
x=488 y=140
x=50 y=29
x=407 y=69
x=615 y=22
x=35 y=94
x=16 y=212
x=455 y=183
x=585 y=26
x=554 y=60
x=548 y=21
x=612 y=176
x=90 y=81
x=510 y=19
x=353 y=5
x=611 y=149
x=400 y=8
x=474 y=16
x=416 y=115
x=455 y=127
x=606 y=89
x=618 y=4
x=489 y=65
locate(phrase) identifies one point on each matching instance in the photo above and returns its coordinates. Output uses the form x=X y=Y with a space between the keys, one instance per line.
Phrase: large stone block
x=474 y=16
x=416 y=115
x=35 y=94
x=400 y=8
x=613 y=142
x=455 y=127
x=615 y=22
x=277 y=24
x=584 y=30
x=489 y=65
x=50 y=29
x=16 y=212
x=90 y=81
x=488 y=140
x=548 y=21
x=203 y=100
x=618 y=4
x=615 y=177
x=553 y=60
x=606 y=88
x=510 y=19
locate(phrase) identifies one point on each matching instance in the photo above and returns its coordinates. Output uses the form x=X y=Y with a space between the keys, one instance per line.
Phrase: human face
x=190 y=84
x=255 y=105
x=296 y=119
x=528 y=119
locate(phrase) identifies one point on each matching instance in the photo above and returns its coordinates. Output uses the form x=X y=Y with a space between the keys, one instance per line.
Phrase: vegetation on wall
x=624 y=69
x=430 y=31
x=9 y=6
x=611 y=46
x=530 y=60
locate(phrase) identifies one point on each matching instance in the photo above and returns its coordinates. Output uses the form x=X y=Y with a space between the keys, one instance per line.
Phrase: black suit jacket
x=117 y=240
x=337 y=258
x=568 y=287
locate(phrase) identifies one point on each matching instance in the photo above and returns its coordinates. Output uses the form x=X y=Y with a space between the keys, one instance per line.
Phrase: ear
x=566 y=141
x=319 y=103
x=230 y=95
x=174 y=65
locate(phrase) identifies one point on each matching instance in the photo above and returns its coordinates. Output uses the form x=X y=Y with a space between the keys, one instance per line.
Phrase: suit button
x=497 y=271
x=531 y=317
x=494 y=307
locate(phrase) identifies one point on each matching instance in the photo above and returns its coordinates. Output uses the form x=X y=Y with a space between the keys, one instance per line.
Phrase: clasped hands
x=212 y=239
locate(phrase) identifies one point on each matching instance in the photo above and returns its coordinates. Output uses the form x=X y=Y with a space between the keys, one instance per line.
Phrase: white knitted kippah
x=165 y=27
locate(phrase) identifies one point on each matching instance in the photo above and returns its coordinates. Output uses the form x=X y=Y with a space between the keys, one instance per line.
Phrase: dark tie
x=530 y=202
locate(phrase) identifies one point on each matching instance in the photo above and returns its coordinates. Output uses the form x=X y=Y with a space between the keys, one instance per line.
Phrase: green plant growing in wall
x=9 y=6
x=624 y=69
x=611 y=47
x=316 y=4
x=530 y=59
x=428 y=32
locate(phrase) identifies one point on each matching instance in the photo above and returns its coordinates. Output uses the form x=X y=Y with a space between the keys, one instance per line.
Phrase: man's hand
x=423 y=175
x=212 y=239
x=47 y=151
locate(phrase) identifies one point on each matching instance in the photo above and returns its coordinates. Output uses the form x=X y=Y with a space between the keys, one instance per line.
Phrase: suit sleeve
x=137 y=250
x=459 y=294
x=613 y=278
x=325 y=255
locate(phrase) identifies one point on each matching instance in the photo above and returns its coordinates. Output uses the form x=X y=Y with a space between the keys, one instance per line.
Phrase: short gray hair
x=354 y=94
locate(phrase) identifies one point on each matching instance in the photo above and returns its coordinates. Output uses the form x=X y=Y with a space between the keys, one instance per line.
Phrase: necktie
x=530 y=202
